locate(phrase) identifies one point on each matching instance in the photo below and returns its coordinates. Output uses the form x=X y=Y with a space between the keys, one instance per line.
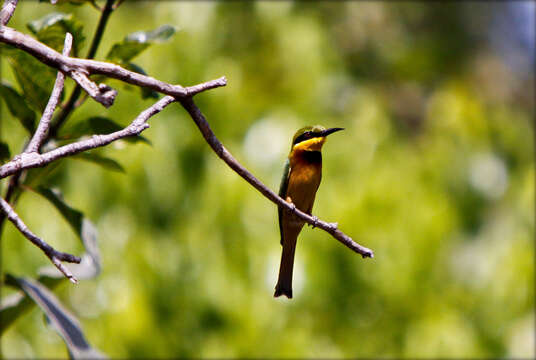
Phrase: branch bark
x=87 y=67
x=225 y=155
x=135 y=127
x=32 y=160
x=7 y=11
x=80 y=70
x=54 y=255
x=42 y=129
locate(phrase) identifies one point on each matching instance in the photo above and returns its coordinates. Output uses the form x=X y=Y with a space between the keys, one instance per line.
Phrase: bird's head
x=311 y=138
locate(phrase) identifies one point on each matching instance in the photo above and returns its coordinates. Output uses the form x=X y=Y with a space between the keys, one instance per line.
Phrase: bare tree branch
x=55 y=256
x=7 y=11
x=71 y=65
x=31 y=160
x=80 y=70
x=42 y=129
x=101 y=93
x=226 y=156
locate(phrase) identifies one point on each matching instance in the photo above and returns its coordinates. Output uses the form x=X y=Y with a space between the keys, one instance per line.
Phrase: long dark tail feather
x=284 y=283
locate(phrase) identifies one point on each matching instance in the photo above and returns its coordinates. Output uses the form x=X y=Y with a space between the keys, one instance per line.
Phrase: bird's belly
x=303 y=184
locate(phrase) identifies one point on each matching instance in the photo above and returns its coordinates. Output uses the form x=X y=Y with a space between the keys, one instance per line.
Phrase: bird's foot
x=292 y=209
x=315 y=221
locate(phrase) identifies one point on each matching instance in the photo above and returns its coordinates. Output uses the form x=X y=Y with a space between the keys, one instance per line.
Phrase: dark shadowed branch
x=77 y=91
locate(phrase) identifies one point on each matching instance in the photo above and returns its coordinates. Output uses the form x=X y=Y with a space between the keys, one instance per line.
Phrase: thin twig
x=69 y=65
x=42 y=129
x=7 y=11
x=226 y=156
x=54 y=255
x=101 y=93
x=32 y=160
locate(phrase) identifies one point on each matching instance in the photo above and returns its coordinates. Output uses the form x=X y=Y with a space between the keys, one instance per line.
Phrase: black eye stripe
x=306 y=136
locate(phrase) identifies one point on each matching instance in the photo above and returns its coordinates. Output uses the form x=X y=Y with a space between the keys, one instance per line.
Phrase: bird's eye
x=304 y=136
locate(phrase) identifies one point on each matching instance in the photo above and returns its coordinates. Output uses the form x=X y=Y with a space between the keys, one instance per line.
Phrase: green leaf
x=105 y=162
x=17 y=107
x=37 y=176
x=65 y=323
x=161 y=34
x=15 y=305
x=145 y=92
x=125 y=51
x=4 y=152
x=102 y=125
x=135 y=43
x=35 y=78
x=51 y=29
x=89 y=267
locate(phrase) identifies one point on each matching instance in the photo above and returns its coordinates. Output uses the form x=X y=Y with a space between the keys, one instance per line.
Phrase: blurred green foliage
x=435 y=173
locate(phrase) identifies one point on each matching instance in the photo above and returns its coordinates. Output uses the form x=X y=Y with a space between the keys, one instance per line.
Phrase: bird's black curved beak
x=331 y=131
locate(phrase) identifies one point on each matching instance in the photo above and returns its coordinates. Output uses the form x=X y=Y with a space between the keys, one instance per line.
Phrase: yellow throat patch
x=314 y=144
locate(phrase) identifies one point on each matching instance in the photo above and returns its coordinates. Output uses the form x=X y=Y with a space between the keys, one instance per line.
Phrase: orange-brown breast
x=304 y=178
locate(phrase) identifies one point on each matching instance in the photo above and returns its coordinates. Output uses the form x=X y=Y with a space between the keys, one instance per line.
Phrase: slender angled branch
x=226 y=156
x=42 y=129
x=32 y=160
x=69 y=65
x=54 y=255
x=7 y=11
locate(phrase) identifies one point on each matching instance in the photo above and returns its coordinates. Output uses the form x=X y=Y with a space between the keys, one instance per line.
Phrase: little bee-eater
x=301 y=178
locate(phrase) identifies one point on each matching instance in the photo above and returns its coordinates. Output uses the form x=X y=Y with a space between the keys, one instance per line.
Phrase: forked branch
x=26 y=159
x=80 y=70
x=32 y=160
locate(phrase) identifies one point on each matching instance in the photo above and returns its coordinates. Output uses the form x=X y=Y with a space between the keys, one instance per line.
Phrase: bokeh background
x=435 y=173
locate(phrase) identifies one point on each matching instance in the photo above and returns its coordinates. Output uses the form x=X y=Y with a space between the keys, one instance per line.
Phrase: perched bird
x=301 y=178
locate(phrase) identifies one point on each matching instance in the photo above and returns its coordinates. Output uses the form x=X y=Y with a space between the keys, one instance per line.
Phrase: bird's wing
x=283 y=193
